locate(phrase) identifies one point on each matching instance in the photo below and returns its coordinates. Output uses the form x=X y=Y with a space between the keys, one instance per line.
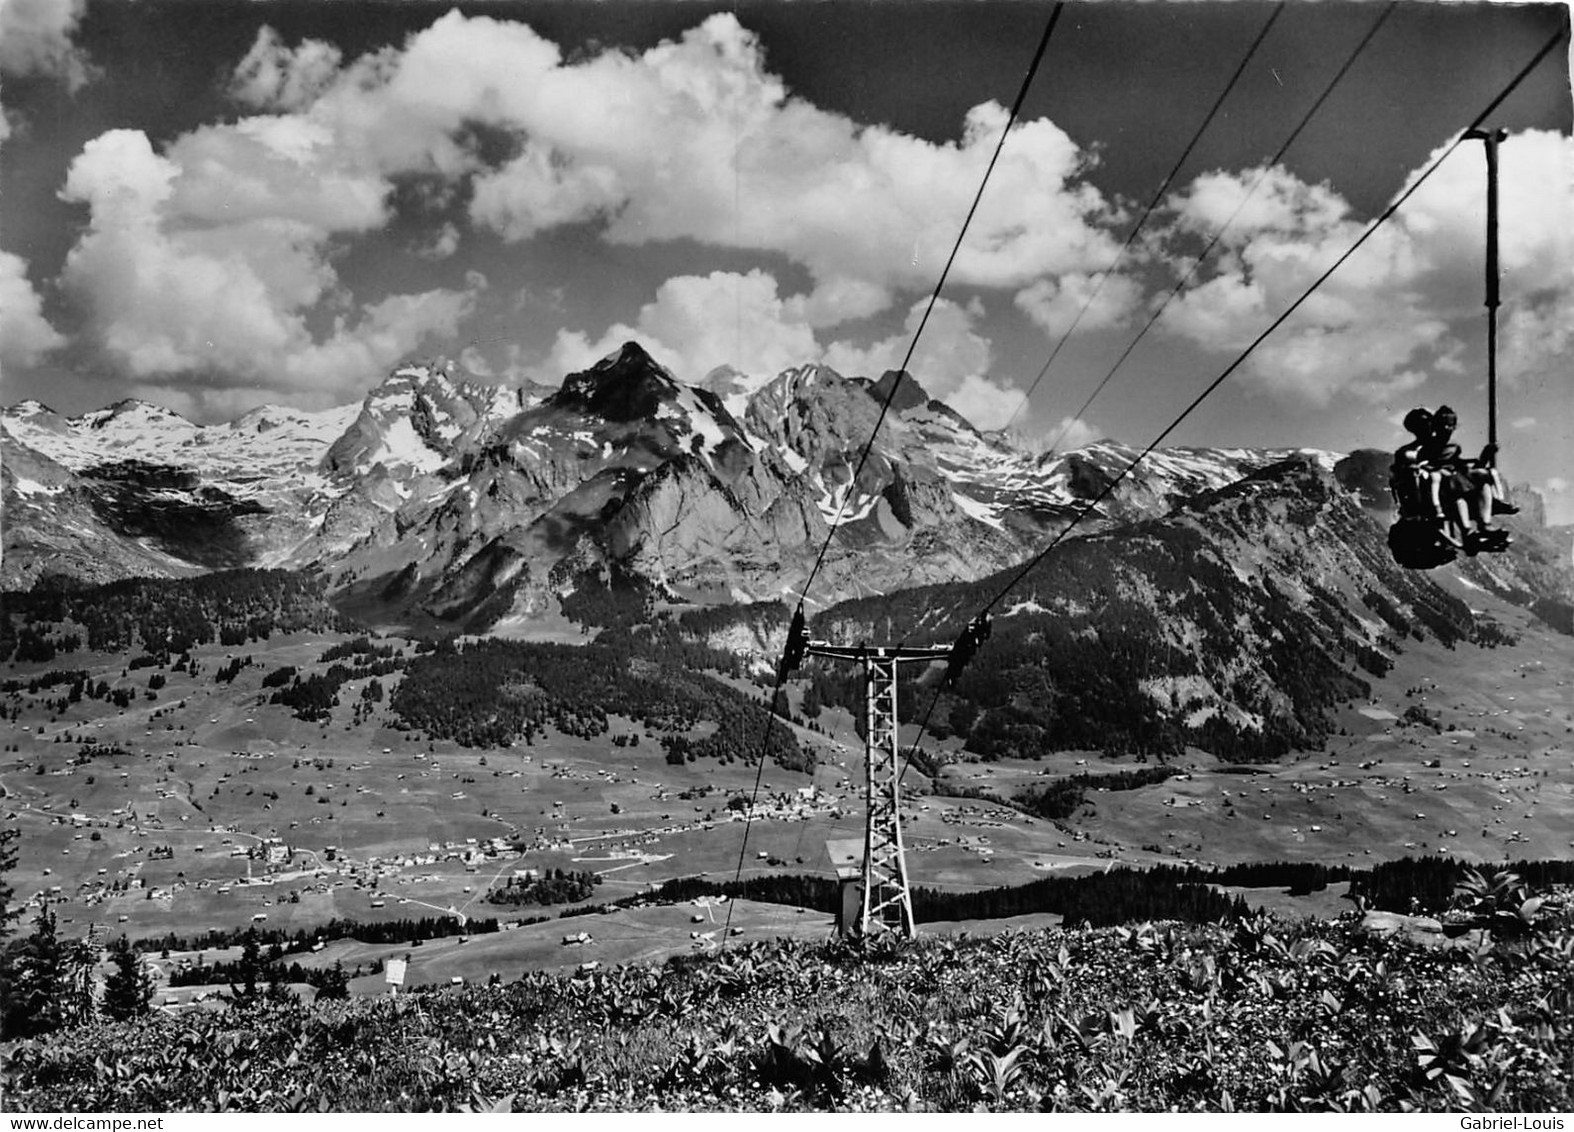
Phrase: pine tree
x=7 y=861
x=335 y=983
x=251 y=970
x=128 y=991
x=37 y=990
x=259 y=983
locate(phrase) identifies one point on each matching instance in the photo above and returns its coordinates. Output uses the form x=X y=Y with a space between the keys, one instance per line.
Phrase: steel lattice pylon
x=887 y=904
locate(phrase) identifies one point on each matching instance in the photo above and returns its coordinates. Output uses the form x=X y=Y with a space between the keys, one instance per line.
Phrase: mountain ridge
x=475 y=502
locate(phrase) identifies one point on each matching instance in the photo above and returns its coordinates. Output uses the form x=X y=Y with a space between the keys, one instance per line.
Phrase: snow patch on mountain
x=977 y=509
x=25 y=486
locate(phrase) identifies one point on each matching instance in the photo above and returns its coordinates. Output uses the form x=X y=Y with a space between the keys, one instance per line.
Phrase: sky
x=213 y=205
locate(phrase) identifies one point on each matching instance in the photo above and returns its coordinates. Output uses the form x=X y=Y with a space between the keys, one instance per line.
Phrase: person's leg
x=1462 y=515
x=1478 y=502
x=1481 y=505
x=1500 y=501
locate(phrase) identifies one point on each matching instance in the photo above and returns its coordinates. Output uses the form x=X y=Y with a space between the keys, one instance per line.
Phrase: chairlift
x=1419 y=539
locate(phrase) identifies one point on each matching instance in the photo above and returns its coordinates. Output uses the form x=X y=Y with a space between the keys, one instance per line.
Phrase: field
x=202 y=805
x=182 y=795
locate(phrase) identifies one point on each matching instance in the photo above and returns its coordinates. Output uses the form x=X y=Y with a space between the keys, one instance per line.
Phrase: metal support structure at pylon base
x=887 y=903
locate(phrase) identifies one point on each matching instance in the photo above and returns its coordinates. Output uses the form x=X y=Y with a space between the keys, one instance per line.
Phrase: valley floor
x=206 y=807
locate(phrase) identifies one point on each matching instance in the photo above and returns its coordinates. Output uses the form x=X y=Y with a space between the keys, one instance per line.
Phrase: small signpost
x=393 y=975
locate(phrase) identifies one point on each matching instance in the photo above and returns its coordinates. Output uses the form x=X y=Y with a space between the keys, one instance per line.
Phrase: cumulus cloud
x=1058 y=304
x=1408 y=301
x=211 y=254
x=474 y=362
x=1391 y=388
x=695 y=139
x=444 y=243
x=1071 y=433
x=183 y=288
x=948 y=351
x=1536 y=336
x=35 y=39
x=273 y=76
x=1254 y=201
x=271 y=168
x=987 y=403
x=700 y=322
x=839 y=300
x=25 y=334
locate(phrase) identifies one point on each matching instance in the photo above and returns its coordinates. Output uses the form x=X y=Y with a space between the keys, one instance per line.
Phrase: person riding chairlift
x=1468 y=492
x=1418 y=487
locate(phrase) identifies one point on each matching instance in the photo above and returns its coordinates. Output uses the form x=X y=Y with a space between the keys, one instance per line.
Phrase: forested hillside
x=1235 y=625
x=492 y=693
x=163 y=615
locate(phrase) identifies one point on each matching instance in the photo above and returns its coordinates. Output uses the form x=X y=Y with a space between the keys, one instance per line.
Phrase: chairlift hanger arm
x=885 y=652
x=1492 y=139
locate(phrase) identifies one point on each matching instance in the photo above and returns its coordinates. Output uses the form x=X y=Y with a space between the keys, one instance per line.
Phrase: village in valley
x=204 y=807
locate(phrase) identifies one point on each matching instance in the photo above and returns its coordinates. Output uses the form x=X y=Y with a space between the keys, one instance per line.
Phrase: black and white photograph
x=792 y=556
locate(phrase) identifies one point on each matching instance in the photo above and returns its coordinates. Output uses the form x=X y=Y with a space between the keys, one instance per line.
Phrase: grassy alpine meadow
x=1266 y=1014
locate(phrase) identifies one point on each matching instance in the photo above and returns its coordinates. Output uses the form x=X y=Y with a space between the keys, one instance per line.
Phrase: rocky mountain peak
x=29 y=408
x=406 y=385
x=33 y=418
x=131 y=411
x=458 y=487
x=419 y=417
x=909 y=394
x=628 y=385
x=813 y=410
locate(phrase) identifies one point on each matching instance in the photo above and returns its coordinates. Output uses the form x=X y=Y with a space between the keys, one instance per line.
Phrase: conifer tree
x=335 y=983
x=7 y=861
x=248 y=991
x=128 y=991
x=37 y=978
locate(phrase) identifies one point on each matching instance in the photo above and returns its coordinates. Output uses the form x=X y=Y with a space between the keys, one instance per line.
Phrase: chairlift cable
x=781 y=676
x=1218 y=235
x=1382 y=218
x=1371 y=229
x=1131 y=236
x=934 y=297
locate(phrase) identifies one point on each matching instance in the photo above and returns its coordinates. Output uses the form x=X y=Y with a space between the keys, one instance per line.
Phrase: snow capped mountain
x=53 y=526
x=623 y=464
x=419 y=419
x=265 y=444
x=472 y=502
